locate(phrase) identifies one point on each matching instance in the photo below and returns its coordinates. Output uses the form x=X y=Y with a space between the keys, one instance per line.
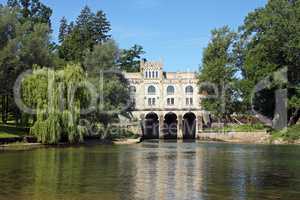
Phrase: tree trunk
x=4 y=109
x=7 y=108
x=295 y=117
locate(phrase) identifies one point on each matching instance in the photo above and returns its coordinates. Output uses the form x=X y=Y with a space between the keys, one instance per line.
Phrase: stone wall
x=240 y=137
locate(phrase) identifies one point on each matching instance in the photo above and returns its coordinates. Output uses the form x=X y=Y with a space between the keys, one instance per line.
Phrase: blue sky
x=174 y=31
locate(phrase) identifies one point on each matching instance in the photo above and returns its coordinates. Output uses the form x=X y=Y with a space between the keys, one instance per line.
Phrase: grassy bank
x=239 y=128
x=7 y=135
x=11 y=131
x=290 y=134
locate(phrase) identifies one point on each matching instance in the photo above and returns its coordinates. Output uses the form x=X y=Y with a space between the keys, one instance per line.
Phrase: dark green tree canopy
x=130 y=58
x=270 y=41
x=218 y=69
x=90 y=29
x=63 y=30
x=23 y=45
x=33 y=10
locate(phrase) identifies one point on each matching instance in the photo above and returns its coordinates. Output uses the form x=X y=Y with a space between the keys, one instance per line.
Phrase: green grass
x=240 y=128
x=290 y=134
x=11 y=131
x=7 y=135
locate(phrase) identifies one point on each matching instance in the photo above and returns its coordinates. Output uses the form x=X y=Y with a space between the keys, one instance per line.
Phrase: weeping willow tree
x=58 y=109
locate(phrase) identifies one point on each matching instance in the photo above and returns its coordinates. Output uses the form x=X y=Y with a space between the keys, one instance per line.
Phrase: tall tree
x=72 y=48
x=269 y=42
x=130 y=58
x=218 y=69
x=90 y=29
x=63 y=30
x=32 y=10
x=22 y=46
x=103 y=57
x=101 y=27
x=113 y=87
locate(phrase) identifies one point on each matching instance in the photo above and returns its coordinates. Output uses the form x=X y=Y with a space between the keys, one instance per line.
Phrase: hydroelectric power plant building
x=167 y=104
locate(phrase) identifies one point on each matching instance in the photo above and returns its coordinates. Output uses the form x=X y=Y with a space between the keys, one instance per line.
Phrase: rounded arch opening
x=170 y=126
x=189 y=126
x=170 y=90
x=151 y=126
x=151 y=90
x=189 y=89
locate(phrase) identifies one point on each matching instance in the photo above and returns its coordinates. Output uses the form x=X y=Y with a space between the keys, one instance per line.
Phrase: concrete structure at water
x=167 y=104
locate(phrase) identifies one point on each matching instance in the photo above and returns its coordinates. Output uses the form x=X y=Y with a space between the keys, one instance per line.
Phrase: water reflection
x=152 y=170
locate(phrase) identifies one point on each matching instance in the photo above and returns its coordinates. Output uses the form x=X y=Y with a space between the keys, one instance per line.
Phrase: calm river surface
x=152 y=170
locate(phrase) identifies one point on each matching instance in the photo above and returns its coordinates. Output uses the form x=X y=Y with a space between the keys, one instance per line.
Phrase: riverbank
x=8 y=140
x=258 y=137
x=90 y=142
x=291 y=136
x=253 y=134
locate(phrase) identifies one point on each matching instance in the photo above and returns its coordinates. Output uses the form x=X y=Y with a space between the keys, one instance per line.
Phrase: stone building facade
x=167 y=104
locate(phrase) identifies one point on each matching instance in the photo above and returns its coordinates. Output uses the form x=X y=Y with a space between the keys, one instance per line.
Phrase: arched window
x=170 y=90
x=156 y=74
x=153 y=74
x=151 y=90
x=146 y=74
x=189 y=90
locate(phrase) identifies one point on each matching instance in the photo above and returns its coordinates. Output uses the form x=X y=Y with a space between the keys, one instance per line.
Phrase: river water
x=152 y=170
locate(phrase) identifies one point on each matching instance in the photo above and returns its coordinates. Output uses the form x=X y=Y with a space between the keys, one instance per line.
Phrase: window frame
x=172 y=92
x=189 y=92
x=149 y=92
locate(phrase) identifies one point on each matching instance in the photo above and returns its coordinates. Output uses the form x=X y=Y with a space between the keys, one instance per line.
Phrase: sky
x=173 y=31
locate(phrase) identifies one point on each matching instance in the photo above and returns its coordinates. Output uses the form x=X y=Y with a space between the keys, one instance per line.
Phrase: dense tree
x=63 y=30
x=90 y=29
x=103 y=57
x=218 y=69
x=269 y=42
x=130 y=58
x=72 y=48
x=32 y=10
x=101 y=27
x=101 y=65
x=22 y=46
x=58 y=113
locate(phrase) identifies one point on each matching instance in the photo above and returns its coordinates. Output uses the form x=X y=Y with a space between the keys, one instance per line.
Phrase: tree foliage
x=58 y=111
x=103 y=57
x=269 y=42
x=101 y=66
x=90 y=29
x=32 y=10
x=267 y=45
x=218 y=69
x=130 y=58
x=23 y=45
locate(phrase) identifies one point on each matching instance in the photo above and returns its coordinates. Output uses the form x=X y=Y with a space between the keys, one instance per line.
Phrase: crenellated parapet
x=151 y=65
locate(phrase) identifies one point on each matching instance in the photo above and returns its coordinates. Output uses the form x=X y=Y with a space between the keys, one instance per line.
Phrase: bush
x=290 y=134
